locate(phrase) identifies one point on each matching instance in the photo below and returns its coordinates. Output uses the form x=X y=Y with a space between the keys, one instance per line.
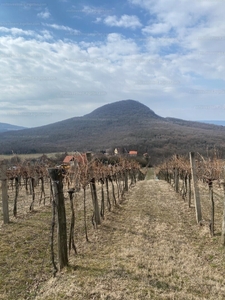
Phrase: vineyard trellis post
x=196 y=189
x=16 y=196
x=97 y=218
x=72 y=223
x=189 y=190
x=5 y=205
x=176 y=175
x=126 y=180
x=210 y=183
x=223 y=223
x=57 y=187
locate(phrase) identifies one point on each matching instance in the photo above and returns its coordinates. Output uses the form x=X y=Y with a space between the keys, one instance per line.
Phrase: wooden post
x=174 y=179
x=170 y=178
x=223 y=223
x=185 y=186
x=95 y=202
x=16 y=196
x=107 y=191
x=113 y=190
x=210 y=183
x=177 y=180
x=96 y=215
x=5 y=205
x=126 y=180
x=189 y=190
x=88 y=155
x=72 y=224
x=58 y=197
x=32 y=184
x=196 y=189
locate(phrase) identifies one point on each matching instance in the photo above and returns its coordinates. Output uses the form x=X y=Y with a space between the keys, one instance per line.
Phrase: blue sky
x=61 y=59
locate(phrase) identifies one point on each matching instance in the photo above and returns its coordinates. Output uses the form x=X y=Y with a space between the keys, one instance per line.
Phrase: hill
x=122 y=109
x=125 y=123
x=4 y=127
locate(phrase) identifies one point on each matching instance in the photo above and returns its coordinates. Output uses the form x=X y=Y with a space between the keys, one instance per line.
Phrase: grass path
x=148 y=248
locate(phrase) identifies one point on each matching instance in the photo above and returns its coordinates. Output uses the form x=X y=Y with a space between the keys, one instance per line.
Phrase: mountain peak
x=120 y=109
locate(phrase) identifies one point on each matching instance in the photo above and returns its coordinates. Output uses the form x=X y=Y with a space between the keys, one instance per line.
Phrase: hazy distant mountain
x=215 y=122
x=8 y=127
x=125 y=123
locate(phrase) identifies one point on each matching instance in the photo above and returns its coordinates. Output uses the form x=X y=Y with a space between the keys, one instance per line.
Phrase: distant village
x=77 y=157
x=69 y=159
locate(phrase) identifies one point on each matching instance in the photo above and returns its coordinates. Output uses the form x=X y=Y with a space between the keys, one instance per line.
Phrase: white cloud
x=44 y=14
x=181 y=15
x=43 y=35
x=17 y=31
x=98 y=20
x=91 y=10
x=72 y=78
x=62 y=27
x=125 y=21
x=94 y=74
x=157 y=28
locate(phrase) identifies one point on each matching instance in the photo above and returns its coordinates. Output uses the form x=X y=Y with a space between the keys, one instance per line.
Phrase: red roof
x=68 y=158
x=133 y=152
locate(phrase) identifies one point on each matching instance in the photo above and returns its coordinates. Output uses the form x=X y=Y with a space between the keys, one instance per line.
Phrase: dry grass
x=149 y=247
x=29 y=156
x=25 y=198
x=24 y=255
x=150 y=174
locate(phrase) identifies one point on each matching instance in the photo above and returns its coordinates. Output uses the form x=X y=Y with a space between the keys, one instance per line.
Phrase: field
x=148 y=247
x=29 y=156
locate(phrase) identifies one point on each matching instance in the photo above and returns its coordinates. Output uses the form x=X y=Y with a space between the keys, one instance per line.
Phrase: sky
x=61 y=59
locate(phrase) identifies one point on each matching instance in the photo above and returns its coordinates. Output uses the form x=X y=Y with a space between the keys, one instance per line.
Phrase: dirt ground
x=149 y=247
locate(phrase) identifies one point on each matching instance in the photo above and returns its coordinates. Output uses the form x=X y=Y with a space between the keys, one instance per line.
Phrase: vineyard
x=30 y=186
x=187 y=174
x=33 y=180
x=92 y=195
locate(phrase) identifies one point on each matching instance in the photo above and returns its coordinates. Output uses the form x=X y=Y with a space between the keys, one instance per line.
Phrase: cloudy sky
x=64 y=58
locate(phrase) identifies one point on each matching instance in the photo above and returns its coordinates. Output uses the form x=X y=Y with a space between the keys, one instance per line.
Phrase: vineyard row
x=58 y=184
x=186 y=174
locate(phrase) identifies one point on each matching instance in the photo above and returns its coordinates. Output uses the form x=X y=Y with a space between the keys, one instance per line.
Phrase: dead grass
x=150 y=174
x=25 y=198
x=148 y=247
x=24 y=255
x=29 y=156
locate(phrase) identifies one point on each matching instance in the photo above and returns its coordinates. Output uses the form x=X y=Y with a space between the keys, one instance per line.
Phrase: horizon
x=62 y=60
x=215 y=122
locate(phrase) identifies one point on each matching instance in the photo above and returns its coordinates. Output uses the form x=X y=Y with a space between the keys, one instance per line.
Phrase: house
x=71 y=160
x=68 y=159
x=132 y=153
